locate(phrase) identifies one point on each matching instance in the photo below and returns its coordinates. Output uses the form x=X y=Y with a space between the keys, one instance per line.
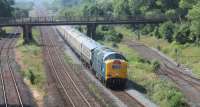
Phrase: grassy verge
x=187 y=54
x=67 y=59
x=30 y=59
x=141 y=71
x=93 y=89
x=8 y=29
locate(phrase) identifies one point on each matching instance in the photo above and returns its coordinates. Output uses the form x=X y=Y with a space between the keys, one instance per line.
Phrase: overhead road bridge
x=91 y=22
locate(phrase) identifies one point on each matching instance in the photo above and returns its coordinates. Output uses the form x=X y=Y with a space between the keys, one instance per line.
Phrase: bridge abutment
x=27 y=34
x=91 y=30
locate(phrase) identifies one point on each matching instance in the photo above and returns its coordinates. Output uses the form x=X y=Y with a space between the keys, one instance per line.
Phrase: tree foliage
x=182 y=35
x=188 y=12
x=167 y=31
x=121 y=8
x=5 y=8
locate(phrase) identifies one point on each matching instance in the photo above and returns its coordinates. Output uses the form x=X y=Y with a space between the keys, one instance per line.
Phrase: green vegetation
x=67 y=59
x=30 y=60
x=22 y=9
x=24 y=5
x=187 y=54
x=185 y=30
x=5 y=8
x=142 y=71
x=93 y=89
x=8 y=8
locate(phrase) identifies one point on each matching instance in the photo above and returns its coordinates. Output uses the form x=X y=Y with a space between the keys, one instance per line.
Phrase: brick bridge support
x=27 y=33
x=91 y=30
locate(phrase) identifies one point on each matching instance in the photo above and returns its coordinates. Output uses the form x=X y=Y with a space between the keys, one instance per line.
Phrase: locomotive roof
x=85 y=40
x=104 y=52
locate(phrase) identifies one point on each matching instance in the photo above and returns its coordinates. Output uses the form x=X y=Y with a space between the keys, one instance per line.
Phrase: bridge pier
x=27 y=34
x=91 y=30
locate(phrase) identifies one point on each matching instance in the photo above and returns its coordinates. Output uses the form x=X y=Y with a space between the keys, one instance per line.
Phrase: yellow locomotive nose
x=116 y=69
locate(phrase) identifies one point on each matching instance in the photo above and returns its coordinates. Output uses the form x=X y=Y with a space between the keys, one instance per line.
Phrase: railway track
x=1 y=74
x=69 y=87
x=194 y=82
x=129 y=100
x=188 y=84
x=7 y=75
x=191 y=85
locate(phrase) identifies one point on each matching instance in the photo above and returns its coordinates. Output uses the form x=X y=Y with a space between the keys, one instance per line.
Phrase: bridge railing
x=39 y=20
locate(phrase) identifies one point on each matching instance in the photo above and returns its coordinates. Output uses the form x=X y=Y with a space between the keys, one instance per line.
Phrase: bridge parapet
x=34 y=21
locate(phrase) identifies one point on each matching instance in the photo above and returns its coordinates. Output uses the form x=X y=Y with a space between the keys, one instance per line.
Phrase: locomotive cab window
x=115 y=56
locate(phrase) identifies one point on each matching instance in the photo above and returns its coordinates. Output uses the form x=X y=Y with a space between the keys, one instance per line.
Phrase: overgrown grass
x=31 y=61
x=93 y=89
x=67 y=59
x=187 y=54
x=8 y=29
x=141 y=71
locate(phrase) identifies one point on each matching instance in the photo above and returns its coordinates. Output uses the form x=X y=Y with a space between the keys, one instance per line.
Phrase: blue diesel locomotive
x=109 y=66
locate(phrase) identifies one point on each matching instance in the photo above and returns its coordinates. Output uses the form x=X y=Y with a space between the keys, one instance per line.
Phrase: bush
x=147 y=29
x=113 y=36
x=2 y=33
x=168 y=96
x=156 y=65
x=158 y=47
x=30 y=75
x=114 y=45
x=156 y=33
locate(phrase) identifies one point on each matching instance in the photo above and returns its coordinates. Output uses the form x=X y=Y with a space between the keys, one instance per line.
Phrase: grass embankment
x=30 y=59
x=141 y=71
x=187 y=54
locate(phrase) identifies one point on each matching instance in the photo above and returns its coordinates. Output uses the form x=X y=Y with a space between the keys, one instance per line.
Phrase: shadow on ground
x=130 y=85
x=133 y=85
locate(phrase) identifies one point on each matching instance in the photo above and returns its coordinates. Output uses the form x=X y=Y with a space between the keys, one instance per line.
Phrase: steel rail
x=180 y=75
x=2 y=79
x=66 y=73
x=56 y=72
x=135 y=99
x=12 y=72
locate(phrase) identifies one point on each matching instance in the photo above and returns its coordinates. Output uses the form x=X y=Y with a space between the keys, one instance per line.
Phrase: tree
x=5 y=8
x=121 y=8
x=170 y=13
x=187 y=4
x=182 y=36
x=167 y=31
x=134 y=6
x=194 y=16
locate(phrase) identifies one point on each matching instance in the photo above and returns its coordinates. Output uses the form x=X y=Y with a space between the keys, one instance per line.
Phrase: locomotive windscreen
x=115 y=56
